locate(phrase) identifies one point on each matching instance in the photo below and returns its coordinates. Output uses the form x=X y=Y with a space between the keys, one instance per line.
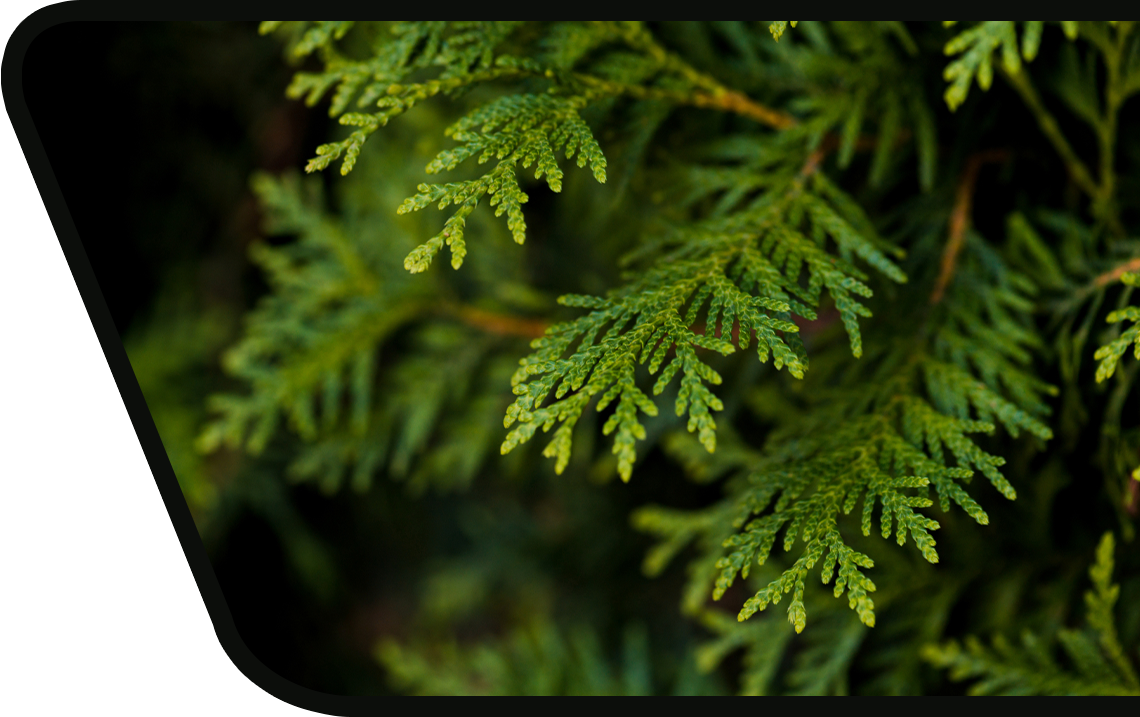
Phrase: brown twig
x=499 y=324
x=817 y=156
x=711 y=93
x=832 y=141
x=1113 y=275
x=741 y=104
x=719 y=98
x=960 y=218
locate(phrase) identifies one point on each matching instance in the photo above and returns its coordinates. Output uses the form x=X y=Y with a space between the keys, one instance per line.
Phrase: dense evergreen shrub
x=850 y=317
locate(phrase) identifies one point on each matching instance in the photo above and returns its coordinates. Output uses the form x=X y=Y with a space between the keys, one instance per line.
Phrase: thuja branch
x=1101 y=281
x=713 y=93
x=1077 y=170
x=1102 y=192
x=831 y=142
x=717 y=98
x=960 y=218
x=1113 y=275
x=1114 y=55
x=737 y=103
x=496 y=323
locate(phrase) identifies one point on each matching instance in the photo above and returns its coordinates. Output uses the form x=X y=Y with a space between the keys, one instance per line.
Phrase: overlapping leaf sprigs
x=745 y=275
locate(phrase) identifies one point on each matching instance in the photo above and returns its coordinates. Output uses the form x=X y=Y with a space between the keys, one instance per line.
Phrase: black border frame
x=33 y=166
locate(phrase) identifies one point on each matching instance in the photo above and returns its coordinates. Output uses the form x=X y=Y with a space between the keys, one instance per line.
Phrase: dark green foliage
x=757 y=242
x=923 y=281
x=313 y=348
x=741 y=274
x=911 y=430
x=1100 y=665
x=537 y=660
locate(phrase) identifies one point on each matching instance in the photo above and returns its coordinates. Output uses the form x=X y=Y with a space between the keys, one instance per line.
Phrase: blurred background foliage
x=433 y=565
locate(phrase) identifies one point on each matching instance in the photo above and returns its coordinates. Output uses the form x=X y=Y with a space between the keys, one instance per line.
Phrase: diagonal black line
x=123 y=374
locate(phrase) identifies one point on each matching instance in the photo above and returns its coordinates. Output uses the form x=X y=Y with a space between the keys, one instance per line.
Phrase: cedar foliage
x=836 y=275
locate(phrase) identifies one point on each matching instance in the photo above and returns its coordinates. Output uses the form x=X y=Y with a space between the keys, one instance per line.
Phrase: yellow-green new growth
x=761 y=247
x=778 y=28
x=741 y=275
x=1109 y=355
x=977 y=46
x=517 y=131
x=909 y=431
x=1101 y=601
